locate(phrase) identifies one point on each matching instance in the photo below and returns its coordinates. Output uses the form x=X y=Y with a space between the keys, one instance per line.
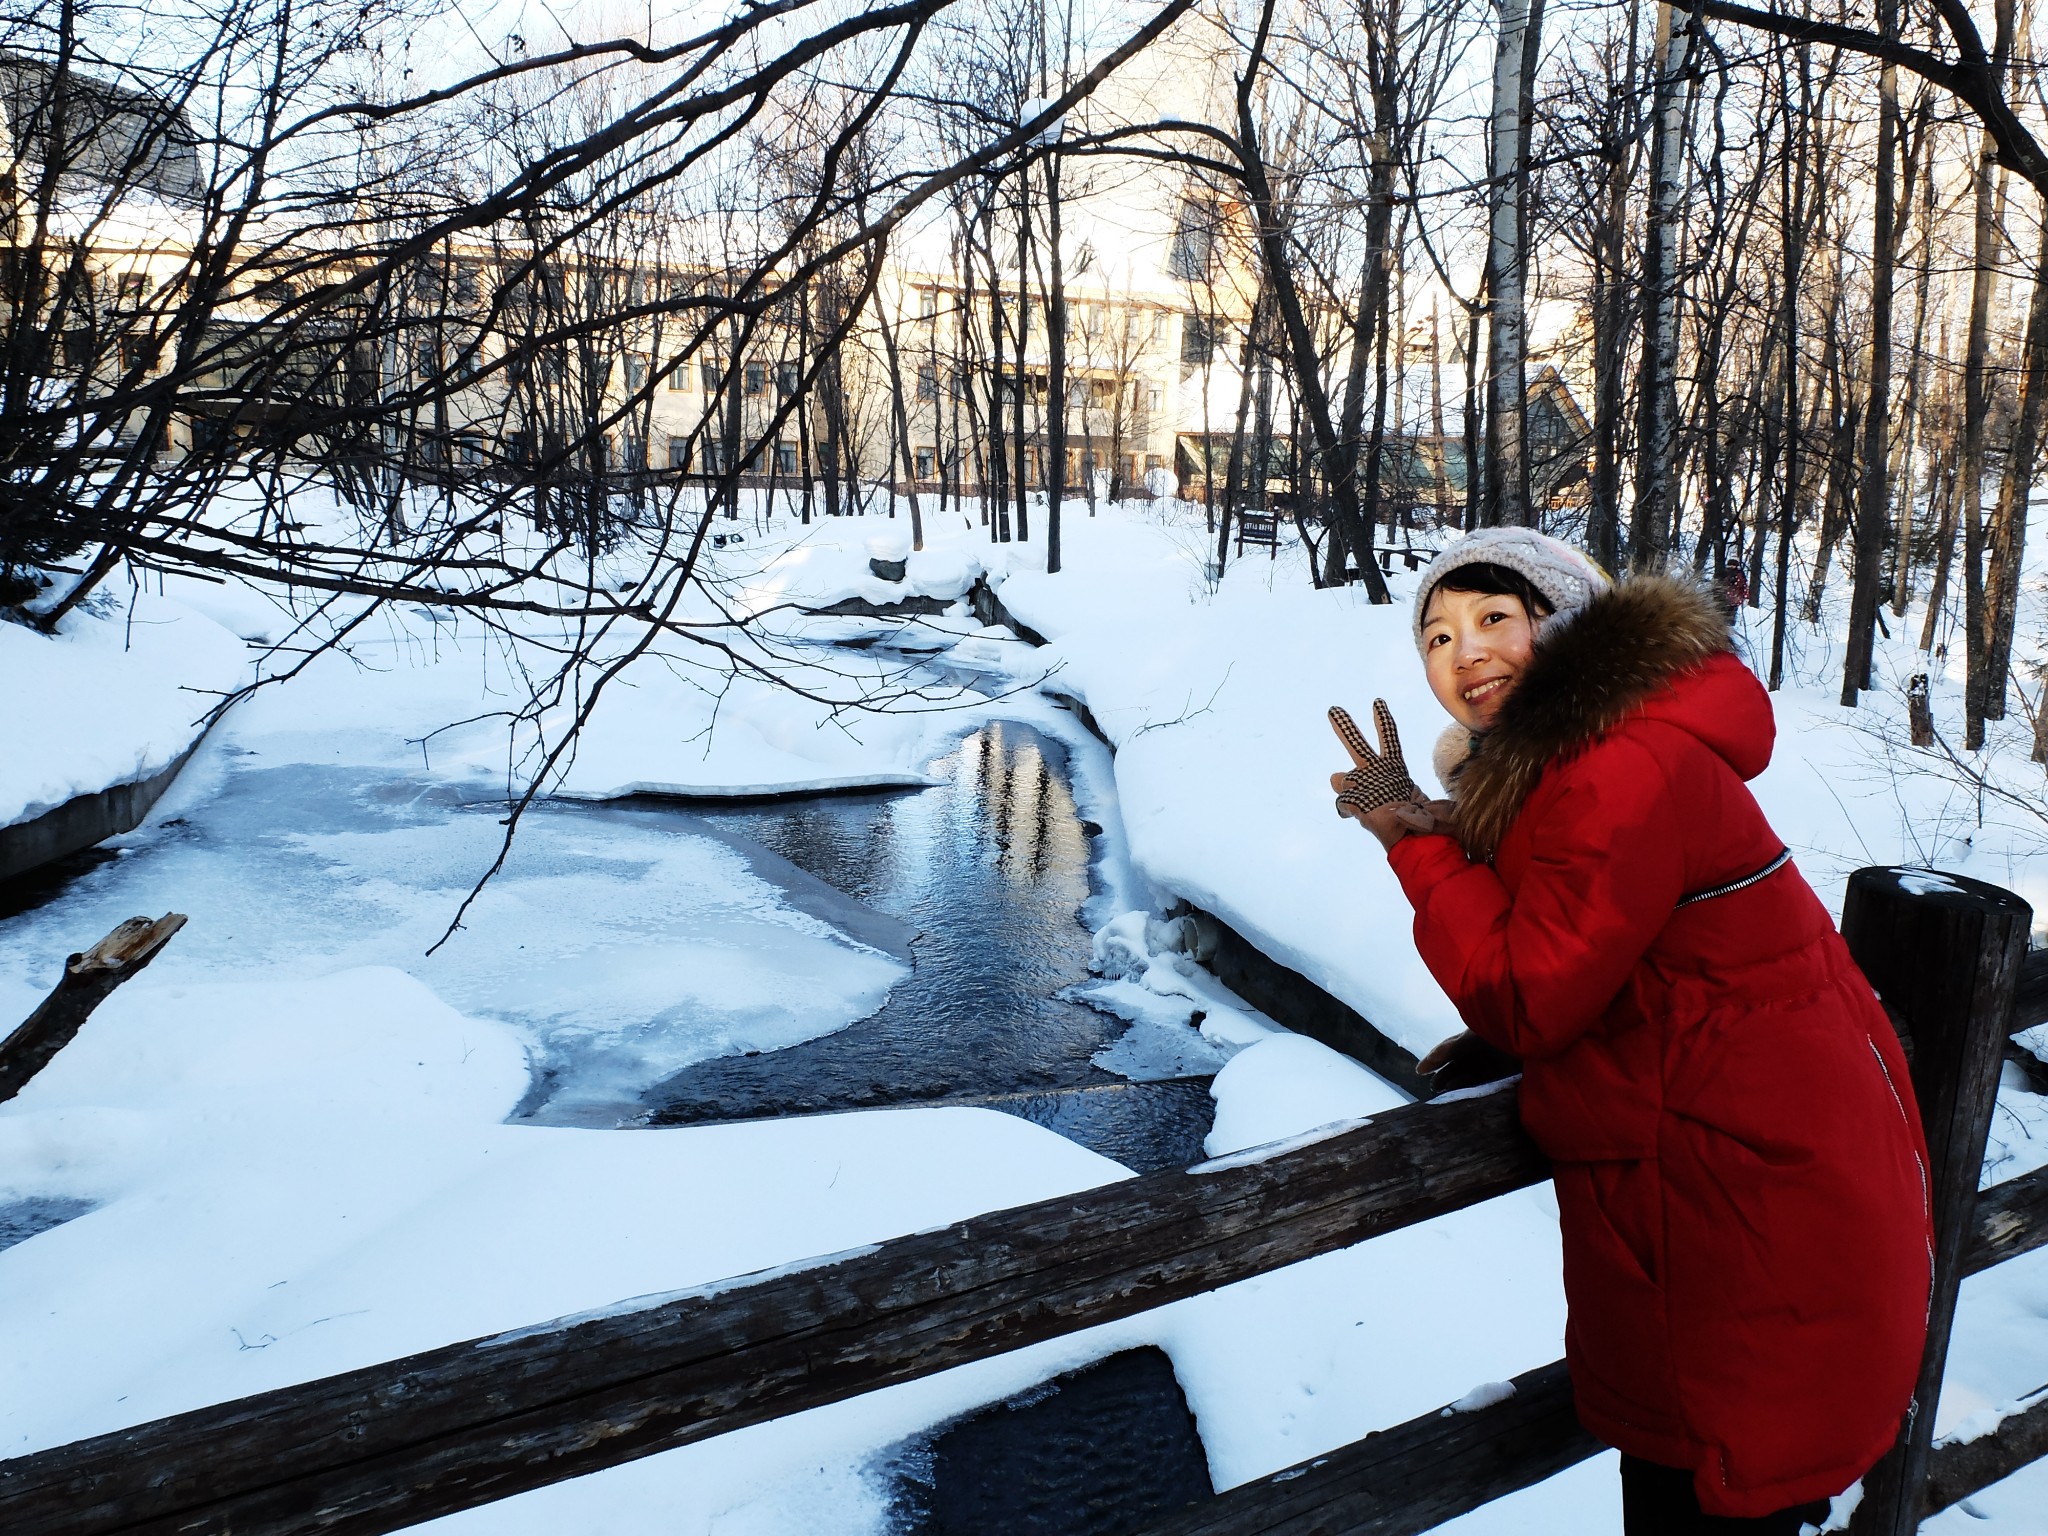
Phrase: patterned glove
x=1379 y=778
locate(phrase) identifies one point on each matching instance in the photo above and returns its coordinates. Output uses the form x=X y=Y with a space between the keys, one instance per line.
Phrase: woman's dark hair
x=1490 y=580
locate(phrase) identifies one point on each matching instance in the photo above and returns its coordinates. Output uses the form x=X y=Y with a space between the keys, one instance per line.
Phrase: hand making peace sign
x=1378 y=791
x=1376 y=778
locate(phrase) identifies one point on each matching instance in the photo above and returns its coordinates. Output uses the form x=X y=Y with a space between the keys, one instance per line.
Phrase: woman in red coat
x=1739 y=1164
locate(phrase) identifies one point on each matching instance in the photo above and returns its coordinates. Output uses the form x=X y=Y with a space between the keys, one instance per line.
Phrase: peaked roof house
x=92 y=132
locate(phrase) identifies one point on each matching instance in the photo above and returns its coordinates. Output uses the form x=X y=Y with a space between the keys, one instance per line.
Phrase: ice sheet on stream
x=621 y=948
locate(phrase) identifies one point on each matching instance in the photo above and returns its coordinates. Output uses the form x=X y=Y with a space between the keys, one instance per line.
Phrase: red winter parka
x=1738 y=1158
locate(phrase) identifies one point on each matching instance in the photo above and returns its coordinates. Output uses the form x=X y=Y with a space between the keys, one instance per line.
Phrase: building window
x=1199 y=338
x=1159 y=323
x=757 y=378
x=132 y=288
x=1154 y=461
x=1193 y=253
x=1155 y=399
x=636 y=370
x=713 y=376
x=787 y=376
x=927 y=464
x=785 y=458
x=678 y=379
x=679 y=453
x=927 y=381
x=927 y=303
x=138 y=353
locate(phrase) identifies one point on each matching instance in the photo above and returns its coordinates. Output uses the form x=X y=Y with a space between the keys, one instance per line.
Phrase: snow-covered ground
x=119 y=694
x=291 y=1131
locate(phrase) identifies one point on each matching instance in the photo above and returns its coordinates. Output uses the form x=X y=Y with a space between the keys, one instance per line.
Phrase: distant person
x=1741 y=1177
x=1732 y=589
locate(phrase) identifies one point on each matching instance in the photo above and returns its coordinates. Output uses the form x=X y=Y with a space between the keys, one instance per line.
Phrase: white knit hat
x=1566 y=577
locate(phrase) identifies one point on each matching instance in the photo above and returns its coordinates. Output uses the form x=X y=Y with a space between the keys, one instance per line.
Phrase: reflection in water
x=991 y=868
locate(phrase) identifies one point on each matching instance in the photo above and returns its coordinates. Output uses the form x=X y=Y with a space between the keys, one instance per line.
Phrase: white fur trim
x=1449 y=754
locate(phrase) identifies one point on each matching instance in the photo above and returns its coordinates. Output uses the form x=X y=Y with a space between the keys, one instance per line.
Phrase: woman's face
x=1475 y=648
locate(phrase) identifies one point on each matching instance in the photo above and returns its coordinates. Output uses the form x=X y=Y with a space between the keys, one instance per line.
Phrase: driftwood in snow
x=87 y=981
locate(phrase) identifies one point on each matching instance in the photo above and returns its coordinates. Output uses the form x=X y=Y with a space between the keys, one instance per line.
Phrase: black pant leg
x=1659 y=1501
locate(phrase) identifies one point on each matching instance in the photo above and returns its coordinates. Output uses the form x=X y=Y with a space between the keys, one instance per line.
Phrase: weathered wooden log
x=2011 y=1219
x=87 y=982
x=390 y=1445
x=1411 y=1477
x=1944 y=951
x=1955 y=1471
x=2030 y=996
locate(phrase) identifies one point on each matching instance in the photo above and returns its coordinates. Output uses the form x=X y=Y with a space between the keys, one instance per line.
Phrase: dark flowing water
x=1102 y=1450
x=990 y=871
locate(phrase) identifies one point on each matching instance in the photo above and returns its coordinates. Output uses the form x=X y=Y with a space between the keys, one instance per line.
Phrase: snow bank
x=667 y=726
x=1288 y=1084
x=828 y=562
x=118 y=694
x=319 y=1176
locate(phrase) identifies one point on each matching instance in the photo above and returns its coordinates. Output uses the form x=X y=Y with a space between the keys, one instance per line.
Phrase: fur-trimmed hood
x=1628 y=645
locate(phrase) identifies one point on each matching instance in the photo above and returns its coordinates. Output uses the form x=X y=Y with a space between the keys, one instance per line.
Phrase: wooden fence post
x=1943 y=951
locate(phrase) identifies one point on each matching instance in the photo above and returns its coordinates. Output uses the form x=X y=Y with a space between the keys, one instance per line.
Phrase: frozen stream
x=990 y=870
x=664 y=964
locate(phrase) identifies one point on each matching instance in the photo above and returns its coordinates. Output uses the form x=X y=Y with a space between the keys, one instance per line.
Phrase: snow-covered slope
x=118 y=693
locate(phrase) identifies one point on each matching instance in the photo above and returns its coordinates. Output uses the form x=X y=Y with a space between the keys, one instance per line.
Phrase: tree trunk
x=1612 y=312
x=1916 y=378
x=1507 y=249
x=1656 y=487
x=1023 y=359
x=1873 y=510
x=1792 y=173
x=1943 y=500
x=2008 y=540
x=900 y=410
x=1990 y=227
x=1473 y=494
x=1056 y=367
x=1976 y=409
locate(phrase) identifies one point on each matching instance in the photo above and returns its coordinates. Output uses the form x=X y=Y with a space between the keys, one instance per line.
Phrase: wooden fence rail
x=390 y=1445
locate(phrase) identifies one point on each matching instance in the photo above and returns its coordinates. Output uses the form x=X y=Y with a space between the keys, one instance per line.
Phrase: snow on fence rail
x=390 y=1445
